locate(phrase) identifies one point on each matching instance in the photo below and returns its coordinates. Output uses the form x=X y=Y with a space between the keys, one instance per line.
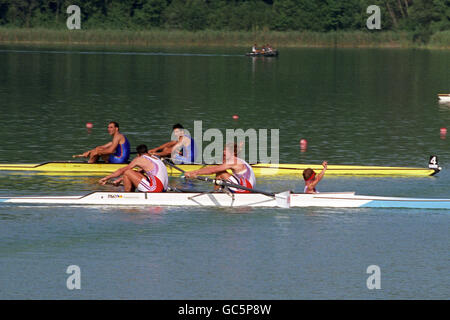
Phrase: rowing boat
x=336 y=200
x=273 y=53
x=260 y=169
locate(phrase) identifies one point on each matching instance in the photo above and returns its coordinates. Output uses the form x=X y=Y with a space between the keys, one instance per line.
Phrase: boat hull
x=262 y=54
x=444 y=98
x=82 y=168
x=334 y=200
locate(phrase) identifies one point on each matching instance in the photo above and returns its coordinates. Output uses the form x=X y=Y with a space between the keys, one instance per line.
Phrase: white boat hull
x=444 y=98
x=337 y=200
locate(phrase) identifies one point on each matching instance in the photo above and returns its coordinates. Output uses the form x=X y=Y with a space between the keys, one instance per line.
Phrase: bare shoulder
x=120 y=138
x=135 y=163
x=138 y=160
x=238 y=165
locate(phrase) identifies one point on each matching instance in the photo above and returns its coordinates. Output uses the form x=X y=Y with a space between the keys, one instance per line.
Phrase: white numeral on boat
x=433 y=160
x=433 y=163
x=74 y=280
x=374 y=281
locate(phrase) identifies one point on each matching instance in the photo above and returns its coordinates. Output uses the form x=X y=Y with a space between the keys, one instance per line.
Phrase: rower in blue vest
x=116 y=151
x=181 y=150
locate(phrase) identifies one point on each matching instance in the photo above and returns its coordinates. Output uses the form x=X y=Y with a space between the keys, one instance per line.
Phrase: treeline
x=422 y=17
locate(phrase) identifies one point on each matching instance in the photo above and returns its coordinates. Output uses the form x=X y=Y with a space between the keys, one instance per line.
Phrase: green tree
x=118 y=14
x=340 y=15
x=218 y=16
x=174 y=14
x=286 y=15
x=149 y=13
x=426 y=17
x=20 y=12
x=251 y=15
x=195 y=15
x=423 y=17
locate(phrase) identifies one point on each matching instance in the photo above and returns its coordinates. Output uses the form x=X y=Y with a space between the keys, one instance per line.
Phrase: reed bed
x=351 y=39
x=440 y=40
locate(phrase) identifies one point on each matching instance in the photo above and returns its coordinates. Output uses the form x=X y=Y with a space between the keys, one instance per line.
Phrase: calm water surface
x=368 y=107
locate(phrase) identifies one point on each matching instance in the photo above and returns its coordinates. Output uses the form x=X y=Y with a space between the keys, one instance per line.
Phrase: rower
x=242 y=172
x=116 y=151
x=152 y=178
x=311 y=180
x=182 y=150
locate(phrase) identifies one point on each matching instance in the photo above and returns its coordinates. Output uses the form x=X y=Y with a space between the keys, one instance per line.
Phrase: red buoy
x=303 y=145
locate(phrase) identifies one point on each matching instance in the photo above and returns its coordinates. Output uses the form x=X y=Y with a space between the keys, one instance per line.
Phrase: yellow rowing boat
x=261 y=169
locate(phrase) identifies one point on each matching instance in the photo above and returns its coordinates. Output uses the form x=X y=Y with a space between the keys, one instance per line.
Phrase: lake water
x=354 y=106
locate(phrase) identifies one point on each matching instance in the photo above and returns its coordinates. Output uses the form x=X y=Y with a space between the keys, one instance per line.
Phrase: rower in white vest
x=242 y=172
x=152 y=176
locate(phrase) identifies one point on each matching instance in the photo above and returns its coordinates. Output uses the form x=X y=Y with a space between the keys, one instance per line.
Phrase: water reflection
x=137 y=214
x=354 y=106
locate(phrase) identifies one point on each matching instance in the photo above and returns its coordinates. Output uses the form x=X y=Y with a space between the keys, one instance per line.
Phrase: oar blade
x=283 y=199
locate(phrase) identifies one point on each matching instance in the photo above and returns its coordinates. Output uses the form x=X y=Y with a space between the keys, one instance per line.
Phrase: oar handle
x=221 y=182
x=283 y=199
x=173 y=166
x=237 y=186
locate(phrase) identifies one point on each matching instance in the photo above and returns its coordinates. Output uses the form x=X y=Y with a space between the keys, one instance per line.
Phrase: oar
x=282 y=198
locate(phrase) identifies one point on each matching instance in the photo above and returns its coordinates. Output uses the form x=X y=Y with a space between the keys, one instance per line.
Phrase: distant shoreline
x=211 y=38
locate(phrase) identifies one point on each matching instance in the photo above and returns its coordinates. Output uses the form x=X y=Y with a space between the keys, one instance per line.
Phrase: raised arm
x=319 y=177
